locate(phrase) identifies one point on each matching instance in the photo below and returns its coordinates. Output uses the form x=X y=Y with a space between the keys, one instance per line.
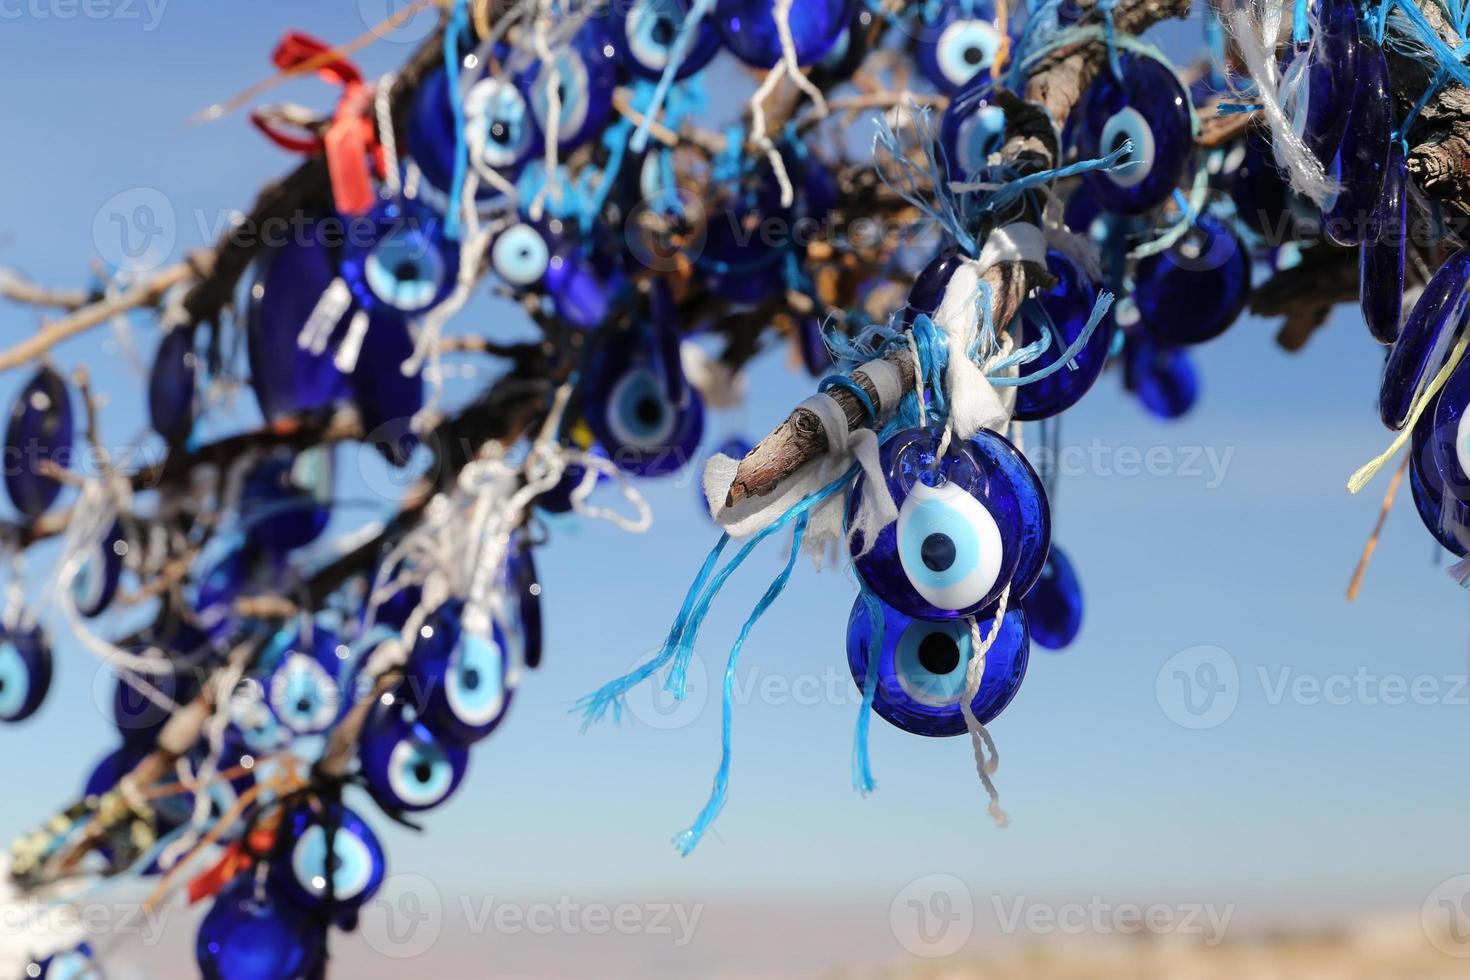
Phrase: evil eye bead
x=1053 y=607
x=584 y=74
x=459 y=674
x=959 y=45
x=1163 y=378
x=1331 y=78
x=741 y=258
x=1148 y=107
x=648 y=29
x=1418 y=351
x=524 y=589
x=1381 y=255
x=171 y=386
x=250 y=934
x=405 y=765
x=401 y=263
x=386 y=397
x=1441 y=496
x=969 y=525
x=499 y=130
x=521 y=255
x=303 y=690
x=1193 y=290
x=929 y=285
x=338 y=871
x=25 y=673
x=1362 y=157
x=39 y=432
x=1445 y=432
x=1067 y=306
x=972 y=128
x=77 y=963
x=749 y=29
x=921 y=667
x=99 y=570
x=1257 y=190
x=285 y=502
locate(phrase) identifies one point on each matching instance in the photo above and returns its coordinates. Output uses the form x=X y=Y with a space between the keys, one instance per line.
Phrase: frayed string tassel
x=689 y=839
x=980 y=739
x=862 y=768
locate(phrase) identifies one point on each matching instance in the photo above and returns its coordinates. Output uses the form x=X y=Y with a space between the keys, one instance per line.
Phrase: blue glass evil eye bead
x=922 y=665
x=1362 y=157
x=1150 y=107
x=400 y=263
x=500 y=132
x=972 y=128
x=637 y=403
x=39 y=431
x=77 y=963
x=958 y=44
x=331 y=860
x=1441 y=307
x=459 y=674
x=1331 y=78
x=25 y=673
x=386 y=397
x=927 y=292
x=1381 y=256
x=749 y=29
x=99 y=571
x=584 y=71
x=304 y=689
x=289 y=283
x=405 y=765
x=741 y=256
x=285 y=499
x=1053 y=607
x=171 y=386
x=1257 y=190
x=1445 y=433
x=524 y=589
x=1441 y=504
x=1162 y=377
x=1193 y=290
x=250 y=934
x=646 y=31
x=968 y=525
x=1068 y=305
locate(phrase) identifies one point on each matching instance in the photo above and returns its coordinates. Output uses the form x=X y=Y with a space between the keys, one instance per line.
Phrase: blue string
x=1008 y=192
x=1099 y=310
x=913 y=179
x=843 y=381
x=862 y=767
x=688 y=840
x=683 y=41
x=1449 y=62
x=1110 y=35
x=459 y=24
x=1301 y=29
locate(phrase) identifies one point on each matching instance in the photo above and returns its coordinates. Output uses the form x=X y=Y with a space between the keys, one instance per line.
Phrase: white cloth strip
x=886 y=381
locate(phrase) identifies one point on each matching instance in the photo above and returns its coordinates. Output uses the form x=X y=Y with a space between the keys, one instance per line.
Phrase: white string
x=980 y=739
x=383 y=105
x=553 y=113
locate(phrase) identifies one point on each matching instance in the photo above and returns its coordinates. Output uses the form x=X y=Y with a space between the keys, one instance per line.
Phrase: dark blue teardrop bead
x=286 y=379
x=252 y=934
x=748 y=28
x=1193 y=290
x=1069 y=305
x=386 y=398
x=1163 y=378
x=1331 y=78
x=525 y=589
x=581 y=292
x=1419 y=351
x=1054 y=605
x=927 y=291
x=1381 y=257
x=746 y=239
x=1258 y=191
x=40 y=431
x=171 y=386
x=1362 y=159
x=285 y=501
x=1443 y=505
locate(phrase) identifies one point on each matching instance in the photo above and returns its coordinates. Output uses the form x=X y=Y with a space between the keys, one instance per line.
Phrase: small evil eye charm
x=921 y=668
x=1446 y=433
x=750 y=30
x=1362 y=156
x=521 y=254
x=1419 y=351
x=304 y=689
x=581 y=75
x=25 y=673
x=1193 y=290
x=289 y=284
x=406 y=766
x=1067 y=306
x=499 y=130
x=929 y=285
x=1053 y=607
x=959 y=44
x=386 y=397
x=523 y=587
x=971 y=129
x=401 y=264
x=646 y=31
x=1381 y=256
x=1149 y=108
x=331 y=859
x=39 y=434
x=459 y=674
x=98 y=572
x=811 y=343
x=1163 y=378
x=249 y=933
x=285 y=502
x=970 y=525
x=1331 y=68
x=77 y=963
x=171 y=386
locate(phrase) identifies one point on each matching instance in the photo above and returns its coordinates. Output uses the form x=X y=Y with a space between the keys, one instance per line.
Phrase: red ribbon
x=351 y=140
x=237 y=858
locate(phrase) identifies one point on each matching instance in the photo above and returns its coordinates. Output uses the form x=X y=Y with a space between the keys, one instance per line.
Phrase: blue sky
x=1295 y=805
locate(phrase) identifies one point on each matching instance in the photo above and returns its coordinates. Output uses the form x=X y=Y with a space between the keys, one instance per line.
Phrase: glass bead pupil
x=939 y=654
x=937 y=552
x=648 y=411
x=471 y=678
x=407 y=270
x=663 y=31
x=974 y=55
x=423 y=771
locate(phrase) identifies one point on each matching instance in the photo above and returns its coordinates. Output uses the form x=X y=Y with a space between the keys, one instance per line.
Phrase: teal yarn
x=459 y=25
x=862 y=766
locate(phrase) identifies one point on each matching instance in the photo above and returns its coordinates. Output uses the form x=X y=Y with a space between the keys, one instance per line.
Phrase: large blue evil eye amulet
x=1150 y=107
x=647 y=31
x=304 y=690
x=331 y=859
x=249 y=934
x=1440 y=496
x=1193 y=290
x=971 y=129
x=25 y=672
x=399 y=263
x=1068 y=307
x=1054 y=604
x=406 y=766
x=958 y=44
x=584 y=72
x=1441 y=307
x=969 y=525
x=459 y=674
x=922 y=666
x=40 y=431
x=749 y=29
x=500 y=132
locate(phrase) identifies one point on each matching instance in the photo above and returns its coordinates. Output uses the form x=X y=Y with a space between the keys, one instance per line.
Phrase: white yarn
x=980 y=739
x=383 y=109
x=328 y=312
